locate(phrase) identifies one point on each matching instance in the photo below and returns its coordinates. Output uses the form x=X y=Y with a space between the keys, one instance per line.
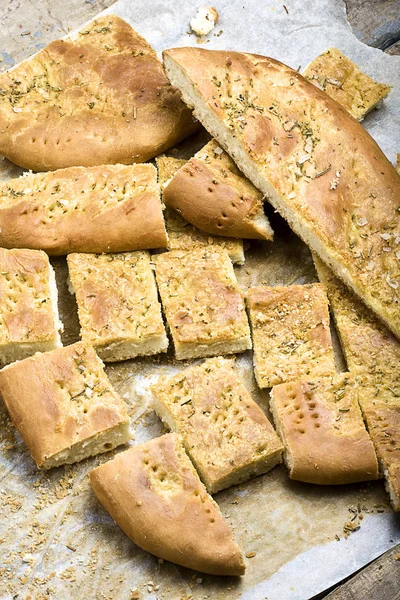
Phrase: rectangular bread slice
x=110 y=208
x=318 y=167
x=210 y=192
x=154 y=494
x=380 y=406
x=344 y=81
x=291 y=335
x=371 y=351
x=225 y=433
x=323 y=432
x=118 y=307
x=29 y=320
x=64 y=406
x=203 y=303
x=181 y=234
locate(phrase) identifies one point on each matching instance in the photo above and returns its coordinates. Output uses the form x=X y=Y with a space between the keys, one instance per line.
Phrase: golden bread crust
x=202 y=302
x=99 y=98
x=291 y=335
x=181 y=234
x=117 y=300
x=210 y=192
x=225 y=433
x=154 y=494
x=323 y=431
x=60 y=398
x=26 y=305
x=343 y=81
x=110 y=208
x=319 y=168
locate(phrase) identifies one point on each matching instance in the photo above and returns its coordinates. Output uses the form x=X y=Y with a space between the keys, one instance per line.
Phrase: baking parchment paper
x=55 y=538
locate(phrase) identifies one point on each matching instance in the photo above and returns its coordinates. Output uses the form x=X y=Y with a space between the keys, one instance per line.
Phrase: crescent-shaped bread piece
x=212 y=194
x=181 y=234
x=318 y=167
x=97 y=97
x=323 y=432
x=110 y=208
x=154 y=494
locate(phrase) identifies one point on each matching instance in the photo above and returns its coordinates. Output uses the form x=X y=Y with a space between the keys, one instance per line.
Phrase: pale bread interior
x=124 y=350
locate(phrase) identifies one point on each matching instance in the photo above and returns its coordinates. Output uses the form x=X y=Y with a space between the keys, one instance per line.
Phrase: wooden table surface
x=28 y=25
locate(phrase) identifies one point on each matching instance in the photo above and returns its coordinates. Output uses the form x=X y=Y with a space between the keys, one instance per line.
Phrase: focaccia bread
x=381 y=409
x=368 y=346
x=210 y=192
x=291 y=335
x=111 y=208
x=64 y=406
x=203 y=304
x=343 y=81
x=181 y=234
x=29 y=320
x=318 y=167
x=99 y=96
x=226 y=434
x=154 y=494
x=323 y=432
x=118 y=307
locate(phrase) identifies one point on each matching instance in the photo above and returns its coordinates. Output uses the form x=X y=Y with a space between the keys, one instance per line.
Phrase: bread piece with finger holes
x=181 y=234
x=154 y=494
x=29 y=320
x=226 y=434
x=210 y=192
x=203 y=303
x=64 y=406
x=344 y=81
x=323 y=432
x=290 y=331
x=118 y=307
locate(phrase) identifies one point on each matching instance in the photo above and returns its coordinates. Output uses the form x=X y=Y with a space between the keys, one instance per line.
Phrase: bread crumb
x=205 y=20
x=251 y=554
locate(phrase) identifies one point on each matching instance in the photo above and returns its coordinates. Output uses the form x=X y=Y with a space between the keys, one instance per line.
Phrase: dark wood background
x=28 y=25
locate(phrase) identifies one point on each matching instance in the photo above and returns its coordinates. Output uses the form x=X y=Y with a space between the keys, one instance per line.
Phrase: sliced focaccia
x=181 y=234
x=291 y=335
x=64 y=406
x=29 y=320
x=118 y=306
x=225 y=433
x=344 y=81
x=323 y=432
x=154 y=494
x=203 y=304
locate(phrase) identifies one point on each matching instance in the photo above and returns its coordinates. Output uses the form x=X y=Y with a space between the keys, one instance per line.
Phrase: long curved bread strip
x=110 y=208
x=154 y=494
x=319 y=168
x=95 y=98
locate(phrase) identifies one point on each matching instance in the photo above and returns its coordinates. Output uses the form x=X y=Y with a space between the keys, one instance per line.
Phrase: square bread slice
x=203 y=303
x=29 y=320
x=344 y=81
x=154 y=494
x=181 y=234
x=118 y=306
x=63 y=405
x=291 y=335
x=370 y=349
x=226 y=434
x=381 y=410
x=210 y=192
x=323 y=431
x=111 y=208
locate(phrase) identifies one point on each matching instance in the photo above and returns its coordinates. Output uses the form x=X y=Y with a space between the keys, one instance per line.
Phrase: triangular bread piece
x=210 y=192
x=154 y=494
x=181 y=234
x=97 y=97
x=318 y=167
